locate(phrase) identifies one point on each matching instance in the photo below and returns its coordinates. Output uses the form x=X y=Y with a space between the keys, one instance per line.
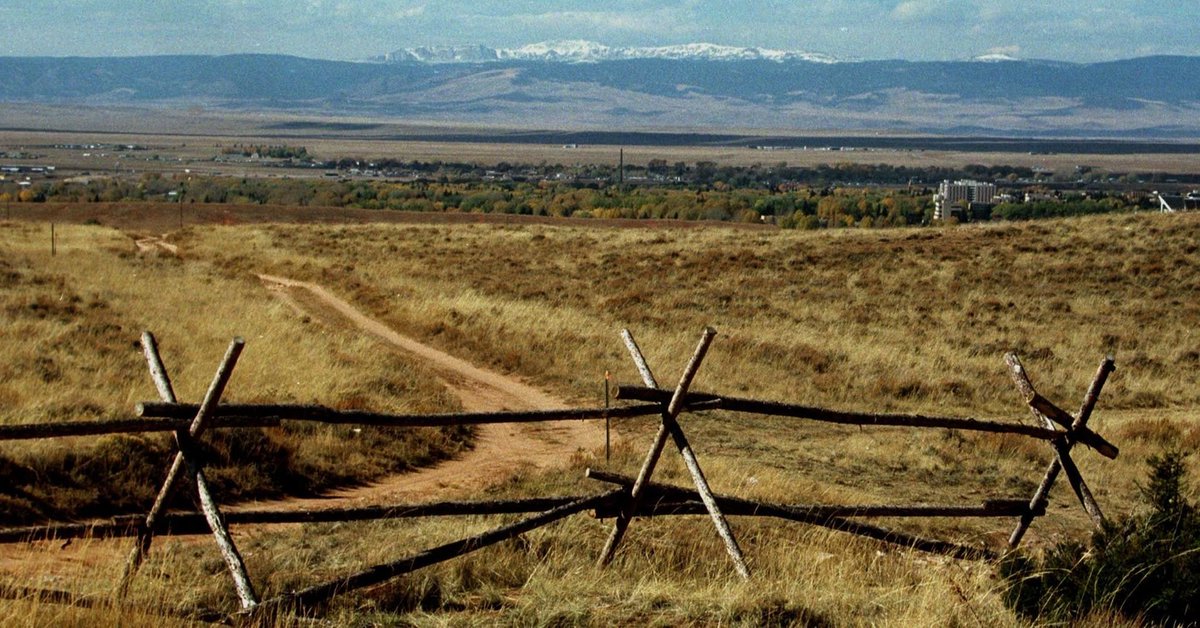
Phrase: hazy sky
x=1070 y=30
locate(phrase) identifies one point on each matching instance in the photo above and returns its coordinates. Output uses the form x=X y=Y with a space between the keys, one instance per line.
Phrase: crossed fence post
x=670 y=427
x=1077 y=431
x=188 y=456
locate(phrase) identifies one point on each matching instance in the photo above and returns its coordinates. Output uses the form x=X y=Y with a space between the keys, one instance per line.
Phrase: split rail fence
x=626 y=498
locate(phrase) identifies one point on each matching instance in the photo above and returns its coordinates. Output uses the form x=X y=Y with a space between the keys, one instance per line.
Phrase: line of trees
x=788 y=205
x=1068 y=206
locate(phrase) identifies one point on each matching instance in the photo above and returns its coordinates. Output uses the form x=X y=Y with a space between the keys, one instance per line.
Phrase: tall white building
x=951 y=197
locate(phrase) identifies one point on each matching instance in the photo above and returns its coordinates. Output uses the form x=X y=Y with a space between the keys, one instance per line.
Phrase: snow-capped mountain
x=441 y=54
x=994 y=57
x=647 y=88
x=582 y=51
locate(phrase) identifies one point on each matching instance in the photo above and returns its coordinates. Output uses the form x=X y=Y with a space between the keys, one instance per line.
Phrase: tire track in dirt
x=500 y=450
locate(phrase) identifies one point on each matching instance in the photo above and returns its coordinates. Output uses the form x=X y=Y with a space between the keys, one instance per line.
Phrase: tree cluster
x=272 y=151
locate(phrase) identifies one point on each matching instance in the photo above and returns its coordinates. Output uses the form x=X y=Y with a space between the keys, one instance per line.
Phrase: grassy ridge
x=72 y=323
x=908 y=320
x=903 y=319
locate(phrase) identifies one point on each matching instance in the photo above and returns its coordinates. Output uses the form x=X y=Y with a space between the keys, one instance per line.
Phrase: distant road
x=334 y=130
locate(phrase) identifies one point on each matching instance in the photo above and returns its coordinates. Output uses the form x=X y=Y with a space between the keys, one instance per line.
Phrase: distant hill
x=681 y=87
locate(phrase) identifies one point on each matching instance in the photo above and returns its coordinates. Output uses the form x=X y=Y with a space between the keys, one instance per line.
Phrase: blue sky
x=1069 y=30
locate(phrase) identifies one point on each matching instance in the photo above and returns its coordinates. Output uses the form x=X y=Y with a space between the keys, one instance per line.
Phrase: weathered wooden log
x=189 y=456
x=1062 y=447
x=323 y=414
x=120 y=426
x=834 y=523
x=220 y=531
x=168 y=417
x=194 y=523
x=771 y=408
x=675 y=505
x=1052 y=414
x=709 y=499
x=648 y=463
x=1042 y=495
x=670 y=426
x=158 y=371
x=307 y=598
x=1075 y=479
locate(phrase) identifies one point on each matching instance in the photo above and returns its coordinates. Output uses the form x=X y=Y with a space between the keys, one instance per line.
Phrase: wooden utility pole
x=607 y=422
x=621 y=170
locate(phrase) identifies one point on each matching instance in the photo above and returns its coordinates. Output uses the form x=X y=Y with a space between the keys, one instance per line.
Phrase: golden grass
x=72 y=324
x=904 y=320
x=900 y=320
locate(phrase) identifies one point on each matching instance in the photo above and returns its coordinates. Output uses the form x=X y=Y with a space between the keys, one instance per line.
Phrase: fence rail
x=632 y=497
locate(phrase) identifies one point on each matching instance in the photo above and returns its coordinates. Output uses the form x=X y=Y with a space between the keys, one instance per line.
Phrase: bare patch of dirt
x=150 y=244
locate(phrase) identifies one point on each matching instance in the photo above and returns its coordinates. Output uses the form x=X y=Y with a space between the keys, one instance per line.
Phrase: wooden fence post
x=1042 y=495
x=607 y=421
x=670 y=427
x=1043 y=409
x=188 y=455
x=648 y=463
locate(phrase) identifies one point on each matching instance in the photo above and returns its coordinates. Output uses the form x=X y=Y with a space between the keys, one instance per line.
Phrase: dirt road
x=500 y=450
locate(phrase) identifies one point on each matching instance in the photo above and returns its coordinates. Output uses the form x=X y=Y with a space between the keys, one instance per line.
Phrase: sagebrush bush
x=1145 y=566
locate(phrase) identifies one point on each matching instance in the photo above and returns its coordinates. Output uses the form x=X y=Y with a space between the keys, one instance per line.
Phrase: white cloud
x=914 y=10
x=409 y=12
x=648 y=22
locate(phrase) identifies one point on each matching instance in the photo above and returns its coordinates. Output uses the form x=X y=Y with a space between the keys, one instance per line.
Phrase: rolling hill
x=666 y=89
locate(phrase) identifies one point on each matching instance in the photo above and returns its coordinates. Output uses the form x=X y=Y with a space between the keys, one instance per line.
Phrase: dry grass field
x=72 y=322
x=189 y=139
x=906 y=320
x=911 y=320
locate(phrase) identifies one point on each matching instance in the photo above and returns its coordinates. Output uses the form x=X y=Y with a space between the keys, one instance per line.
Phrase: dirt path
x=500 y=450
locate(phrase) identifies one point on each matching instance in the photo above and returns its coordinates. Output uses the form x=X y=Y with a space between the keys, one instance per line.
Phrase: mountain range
x=583 y=51
x=580 y=85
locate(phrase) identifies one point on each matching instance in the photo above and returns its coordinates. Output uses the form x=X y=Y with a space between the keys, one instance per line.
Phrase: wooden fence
x=624 y=500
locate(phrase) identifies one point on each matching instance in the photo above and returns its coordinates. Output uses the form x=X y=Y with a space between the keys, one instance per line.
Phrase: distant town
x=840 y=194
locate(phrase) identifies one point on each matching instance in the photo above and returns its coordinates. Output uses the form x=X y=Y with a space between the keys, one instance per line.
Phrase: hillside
x=1151 y=96
x=908 y=320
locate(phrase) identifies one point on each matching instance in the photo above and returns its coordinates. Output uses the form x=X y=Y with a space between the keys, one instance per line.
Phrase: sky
x=1065 y=30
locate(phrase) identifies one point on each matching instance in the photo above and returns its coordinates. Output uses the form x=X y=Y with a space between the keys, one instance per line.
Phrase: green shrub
x=1144 y=566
